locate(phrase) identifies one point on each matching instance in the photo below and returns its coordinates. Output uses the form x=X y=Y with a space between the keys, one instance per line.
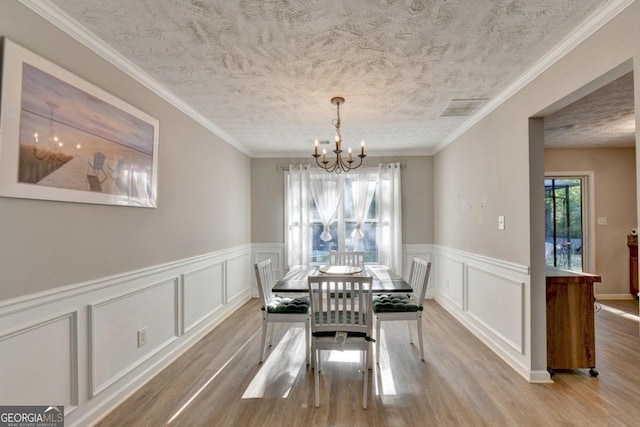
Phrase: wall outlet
x=501 y=222
x=142 y=337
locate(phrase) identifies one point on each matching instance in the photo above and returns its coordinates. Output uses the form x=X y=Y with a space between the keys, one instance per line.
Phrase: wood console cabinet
x=571 y=340
x=632 y=242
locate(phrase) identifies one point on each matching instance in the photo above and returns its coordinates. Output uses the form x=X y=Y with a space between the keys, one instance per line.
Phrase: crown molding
x=50 y=12
x=596 y=21
x=57 y=17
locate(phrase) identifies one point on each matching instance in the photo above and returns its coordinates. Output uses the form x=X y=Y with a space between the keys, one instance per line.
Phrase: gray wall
x=614 y=172
x=203 y=189
x=267 y=201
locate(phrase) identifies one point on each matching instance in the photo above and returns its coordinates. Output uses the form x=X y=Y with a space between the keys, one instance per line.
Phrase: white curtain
x=363 y=188
x=390 y=227
x=327 y=191
x=299 y=228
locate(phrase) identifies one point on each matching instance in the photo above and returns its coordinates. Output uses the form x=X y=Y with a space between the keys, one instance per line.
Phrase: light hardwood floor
x=219 y=381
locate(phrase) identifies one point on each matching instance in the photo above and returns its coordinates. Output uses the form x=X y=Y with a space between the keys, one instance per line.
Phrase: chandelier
x=338 y=165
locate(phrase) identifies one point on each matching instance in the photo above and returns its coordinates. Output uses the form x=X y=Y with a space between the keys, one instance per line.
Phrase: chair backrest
x=419 y=278
x=265 y=280
x=352 y=258
x=98 y=160
x=341 y=303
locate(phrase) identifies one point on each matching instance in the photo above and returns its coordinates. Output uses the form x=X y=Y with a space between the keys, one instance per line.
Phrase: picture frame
x=63 y=138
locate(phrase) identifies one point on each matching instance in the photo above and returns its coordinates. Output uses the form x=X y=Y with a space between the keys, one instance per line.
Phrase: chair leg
x=265 y=326
x=271 y=337
x=420 y=336
x=366 y=379
x=316 y=393
x=409 y=330
x=306 y=342
x=378 y=340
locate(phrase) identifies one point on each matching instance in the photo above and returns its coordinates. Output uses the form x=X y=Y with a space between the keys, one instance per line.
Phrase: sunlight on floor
x=347 y=356
x=201 y=389
x=385 y=384
x=286 y=358
x=621 y=313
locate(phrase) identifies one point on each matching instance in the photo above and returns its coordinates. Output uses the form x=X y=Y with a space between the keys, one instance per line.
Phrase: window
x=564 y=222
x=364 y=203
x=342 y=228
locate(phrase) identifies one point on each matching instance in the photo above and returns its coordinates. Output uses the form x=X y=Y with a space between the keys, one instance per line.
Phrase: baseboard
x=605 y=297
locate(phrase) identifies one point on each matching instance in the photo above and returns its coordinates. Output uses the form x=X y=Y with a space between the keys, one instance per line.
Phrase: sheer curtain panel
x=327 y=191
x=390 y=229
x=297 y=211
x=363 y=188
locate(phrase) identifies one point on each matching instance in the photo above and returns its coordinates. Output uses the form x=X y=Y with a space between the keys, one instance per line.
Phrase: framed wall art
x=63 y=138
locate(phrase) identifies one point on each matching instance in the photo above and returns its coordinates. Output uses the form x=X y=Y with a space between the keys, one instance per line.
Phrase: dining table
x=384 y=280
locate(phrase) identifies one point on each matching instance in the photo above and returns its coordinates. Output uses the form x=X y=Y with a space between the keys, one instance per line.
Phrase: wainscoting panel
x=238 y=271
x=116 y=325
x=47 y=350
x=487 y=291
x=450 y=280
x=202 y=294
x=77 y=345
x=490 y=297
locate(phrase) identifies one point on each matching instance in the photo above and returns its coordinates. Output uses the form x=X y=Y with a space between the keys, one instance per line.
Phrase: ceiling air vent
x=462 y=107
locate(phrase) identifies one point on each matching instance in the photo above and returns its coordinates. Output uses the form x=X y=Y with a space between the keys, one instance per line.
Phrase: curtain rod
x=283 y=168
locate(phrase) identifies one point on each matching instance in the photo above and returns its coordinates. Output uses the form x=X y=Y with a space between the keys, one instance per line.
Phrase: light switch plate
x=602 y=220
x=501 y=222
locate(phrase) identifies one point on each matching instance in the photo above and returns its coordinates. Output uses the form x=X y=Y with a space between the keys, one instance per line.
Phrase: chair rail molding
x=173 y=305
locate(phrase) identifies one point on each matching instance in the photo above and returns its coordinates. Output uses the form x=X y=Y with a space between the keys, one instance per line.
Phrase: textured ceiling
x=264 y=71
x=604 y=118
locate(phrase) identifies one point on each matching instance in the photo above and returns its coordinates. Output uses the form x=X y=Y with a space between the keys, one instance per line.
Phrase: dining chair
x=278 y=309
x=340 y=323
x=352 y=258
x=389 y=307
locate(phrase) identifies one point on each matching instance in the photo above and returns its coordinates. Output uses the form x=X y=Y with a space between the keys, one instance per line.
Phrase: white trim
x=516 y=354
x=592 y=24
x=517 y=366
x=517 y=346
x=71 y=27
x=91 y=400
x=64 y=292
x=94 y=388
x=184 y=327
x=137 y=380
x=57 y=17
x=517 y=268
x=72 y=316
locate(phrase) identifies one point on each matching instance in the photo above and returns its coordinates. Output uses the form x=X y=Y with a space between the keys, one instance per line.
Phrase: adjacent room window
x=564 y=222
